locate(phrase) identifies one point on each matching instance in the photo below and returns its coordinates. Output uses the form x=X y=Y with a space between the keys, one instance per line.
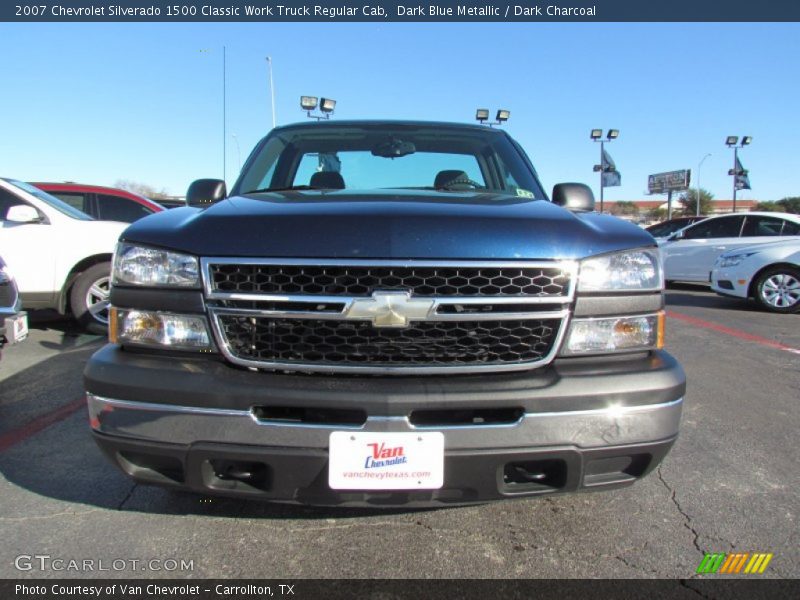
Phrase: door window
x=755 y=226
x=114 y=208
x=724 y=227
x=74 y=199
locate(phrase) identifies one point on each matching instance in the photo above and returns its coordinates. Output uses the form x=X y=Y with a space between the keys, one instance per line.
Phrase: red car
x=103 y=203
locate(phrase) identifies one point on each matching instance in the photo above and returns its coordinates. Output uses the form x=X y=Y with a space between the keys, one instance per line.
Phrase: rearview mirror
x=394 y=148
x=205 y=192
x=22 y=213
x=575 y=197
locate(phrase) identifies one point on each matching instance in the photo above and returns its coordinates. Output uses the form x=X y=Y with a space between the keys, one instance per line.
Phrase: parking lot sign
x=671 y=181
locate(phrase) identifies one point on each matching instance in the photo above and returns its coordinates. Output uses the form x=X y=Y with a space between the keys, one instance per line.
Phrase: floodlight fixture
x=596 y=134
x=503 y=115
x=482 y=114
x=746 y=140
x=613 y=134
x=327 y=105
x=308 y=102
x=732 y=140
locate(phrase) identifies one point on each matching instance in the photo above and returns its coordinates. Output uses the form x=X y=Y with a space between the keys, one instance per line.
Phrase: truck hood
x=402 y=224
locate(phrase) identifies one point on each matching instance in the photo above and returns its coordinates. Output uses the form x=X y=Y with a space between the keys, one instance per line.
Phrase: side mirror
x=575 y=197
x=205 y=192
x=22 y=213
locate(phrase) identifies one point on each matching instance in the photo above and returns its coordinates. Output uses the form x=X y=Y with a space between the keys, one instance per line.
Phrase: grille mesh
x=363 y=280
x=353 y=343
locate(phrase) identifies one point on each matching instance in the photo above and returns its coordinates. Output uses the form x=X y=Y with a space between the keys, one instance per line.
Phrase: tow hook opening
x=236 y=475
x=534 y=476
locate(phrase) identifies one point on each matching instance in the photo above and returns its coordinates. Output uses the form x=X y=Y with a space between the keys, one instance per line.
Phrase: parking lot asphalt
x=729 y=484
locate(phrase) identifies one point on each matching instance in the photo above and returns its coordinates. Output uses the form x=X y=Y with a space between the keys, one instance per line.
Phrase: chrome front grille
x=362 y=280
x=388 y=316
x=434 y=343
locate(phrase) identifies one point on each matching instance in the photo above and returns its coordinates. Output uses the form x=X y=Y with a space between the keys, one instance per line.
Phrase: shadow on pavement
x=70 y=330
x=701 y=296
x=61 y=462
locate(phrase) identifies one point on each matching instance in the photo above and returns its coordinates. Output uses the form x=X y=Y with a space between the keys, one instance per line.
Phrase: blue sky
x=100 y=102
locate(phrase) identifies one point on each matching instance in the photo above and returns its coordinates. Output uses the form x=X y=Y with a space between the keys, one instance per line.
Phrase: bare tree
x=624 y=207
x=142 y=189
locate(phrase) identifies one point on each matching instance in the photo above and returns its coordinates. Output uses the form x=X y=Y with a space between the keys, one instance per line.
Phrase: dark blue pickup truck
x=381 y=314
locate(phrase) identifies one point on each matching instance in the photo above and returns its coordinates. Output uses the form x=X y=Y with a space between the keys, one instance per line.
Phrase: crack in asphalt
x=634 y=566
x=66 y=513
x=128 y=497
x=687 y=523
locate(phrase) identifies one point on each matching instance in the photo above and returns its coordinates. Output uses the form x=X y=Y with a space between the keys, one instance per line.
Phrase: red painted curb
x=742 y=335
x=15 y=436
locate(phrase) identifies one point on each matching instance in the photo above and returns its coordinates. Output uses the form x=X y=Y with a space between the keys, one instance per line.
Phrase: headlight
x=140 y=265
x=157 y=329
x=632 y=270
x=616 y=334
x=732 y=260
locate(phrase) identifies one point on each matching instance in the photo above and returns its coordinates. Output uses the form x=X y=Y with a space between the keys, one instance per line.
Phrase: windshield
x=381 y=157
x=668 y=227
x=52 y=201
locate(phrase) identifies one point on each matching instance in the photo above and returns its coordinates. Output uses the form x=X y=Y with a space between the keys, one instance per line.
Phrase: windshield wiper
x=282 y=189
x=459 y=187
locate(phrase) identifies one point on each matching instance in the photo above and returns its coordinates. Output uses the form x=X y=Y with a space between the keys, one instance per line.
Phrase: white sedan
x=768 y=273
x=689 y=254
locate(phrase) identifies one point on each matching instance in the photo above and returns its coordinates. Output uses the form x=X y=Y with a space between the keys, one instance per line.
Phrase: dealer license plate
x=386 y=461
x=18 y=327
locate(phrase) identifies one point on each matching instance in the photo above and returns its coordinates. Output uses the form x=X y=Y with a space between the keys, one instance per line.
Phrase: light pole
x=732 y=141
x=224 y=119
x=700 y=164
x=271 y=90
x=603 y=168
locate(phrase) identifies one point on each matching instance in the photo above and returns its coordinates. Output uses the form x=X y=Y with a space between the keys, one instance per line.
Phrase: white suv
x=60 y=256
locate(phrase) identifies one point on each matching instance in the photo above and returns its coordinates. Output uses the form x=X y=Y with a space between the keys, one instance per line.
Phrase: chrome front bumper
x=611 y=426
x=580 y=424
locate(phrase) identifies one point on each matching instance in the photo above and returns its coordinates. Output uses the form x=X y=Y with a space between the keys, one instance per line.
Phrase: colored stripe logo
x=735 y=563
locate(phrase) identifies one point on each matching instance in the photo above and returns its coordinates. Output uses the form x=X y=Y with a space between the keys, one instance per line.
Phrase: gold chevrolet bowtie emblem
x=389 y=309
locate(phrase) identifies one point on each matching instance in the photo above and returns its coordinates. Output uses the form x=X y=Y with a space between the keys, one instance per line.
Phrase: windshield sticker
x=524 y=193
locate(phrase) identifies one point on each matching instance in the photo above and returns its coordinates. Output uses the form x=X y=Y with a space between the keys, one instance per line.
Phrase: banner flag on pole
x=611 y=177
x=741 y=179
